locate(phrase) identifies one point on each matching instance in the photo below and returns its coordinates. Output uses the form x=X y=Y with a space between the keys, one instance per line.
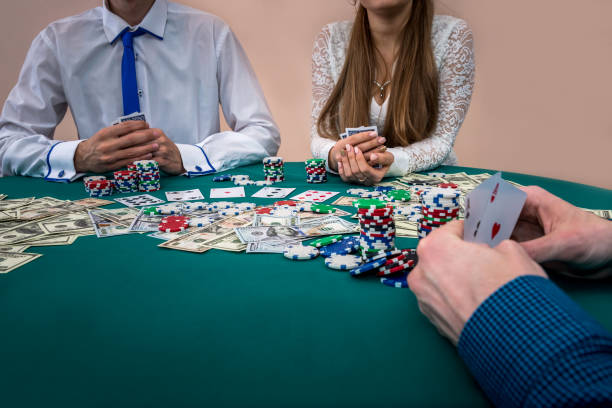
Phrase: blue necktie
x=129 y=85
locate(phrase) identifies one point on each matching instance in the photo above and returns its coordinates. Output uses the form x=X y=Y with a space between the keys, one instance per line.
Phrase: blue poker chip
x=384 y=189
x=368 y=267
x=222 y=177
x=396 y=281
x=347 y=245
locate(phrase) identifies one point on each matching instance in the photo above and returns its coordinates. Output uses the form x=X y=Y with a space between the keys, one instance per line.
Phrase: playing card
x=273 y=192
x=227 y=192
x=184 y=195
x=503 y=205
x=139 y=200
x=315 y=196
x=475 y=206
x=131 y=116
x=360 y=129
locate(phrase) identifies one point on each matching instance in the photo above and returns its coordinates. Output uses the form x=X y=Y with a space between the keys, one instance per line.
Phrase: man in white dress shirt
x=173 y=63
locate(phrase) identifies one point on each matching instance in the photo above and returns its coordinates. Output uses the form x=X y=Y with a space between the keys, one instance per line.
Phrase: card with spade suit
x=491 y=211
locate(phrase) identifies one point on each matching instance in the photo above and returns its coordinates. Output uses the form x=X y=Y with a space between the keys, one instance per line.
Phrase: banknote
x=77 y=222
x=263 y=233
x=268 y=246
x=345 y=201
x=227 y=242
x=145 y=223
x=105 y=227
x=13 y=248
x=51 y=240
x=123 y=215
x=15 y=203
x=267 y=219
x=13 y=260
x=328 y=225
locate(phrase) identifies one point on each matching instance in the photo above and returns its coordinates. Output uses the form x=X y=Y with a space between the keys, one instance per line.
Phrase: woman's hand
x=354 y=168
x=368 y=142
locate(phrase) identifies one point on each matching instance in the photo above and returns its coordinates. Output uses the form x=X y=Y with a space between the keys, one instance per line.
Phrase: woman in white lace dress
x=399 y=67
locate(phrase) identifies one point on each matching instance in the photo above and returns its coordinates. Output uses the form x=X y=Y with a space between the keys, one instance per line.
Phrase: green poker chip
x=322 y=209
x=318 y=243
x=369 y=204
x=399 y=195
x=150 y=211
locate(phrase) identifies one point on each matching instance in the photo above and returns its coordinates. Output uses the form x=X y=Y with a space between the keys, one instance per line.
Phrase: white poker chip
x=370 y=194
x=300 y=252
x=195 y=205
x=240 y=177
x=356 y=191
x=283 y=212
x=437 y=174
x=303 y=206
x=243 y=182
x=170 y=209
x=221 y=205
x=230 y=211
x=343 y=262
x=246 y=206
x=263 y=183
x=201 y=221
x=407 y=210
x=272 y=160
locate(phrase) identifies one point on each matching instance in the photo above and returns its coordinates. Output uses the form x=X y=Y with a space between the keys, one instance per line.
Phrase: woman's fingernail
x=373 y=134
x=381 y=140
x=339 y=165
x=356 y=150
x=348 y=147
x=373 y=156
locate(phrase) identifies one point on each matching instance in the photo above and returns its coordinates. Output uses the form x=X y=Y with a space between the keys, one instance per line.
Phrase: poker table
x=120 y=322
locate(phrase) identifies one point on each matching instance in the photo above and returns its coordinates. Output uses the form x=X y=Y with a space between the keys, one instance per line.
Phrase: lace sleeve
x=456 y=83
x=322 y=86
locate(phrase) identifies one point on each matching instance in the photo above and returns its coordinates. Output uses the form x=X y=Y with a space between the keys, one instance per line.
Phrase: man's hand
x=551 y=229
x=115 y=147
x=367 y=142
x=168 y=155
x=353 y=167
x=453 y=277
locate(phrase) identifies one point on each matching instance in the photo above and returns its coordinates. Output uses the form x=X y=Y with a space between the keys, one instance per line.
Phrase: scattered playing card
x=139 y=200
x=184 y=195
x=273 y=192
x=131 y=116
x=315 y=196
x=492 y=210
x=227 y=192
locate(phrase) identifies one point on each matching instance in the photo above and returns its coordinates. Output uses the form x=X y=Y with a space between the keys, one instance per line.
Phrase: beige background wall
x=541 y=103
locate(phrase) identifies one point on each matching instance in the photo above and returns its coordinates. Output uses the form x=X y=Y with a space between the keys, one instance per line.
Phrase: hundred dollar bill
x=92 y=202
x=15 y=203
x=267 y=220
x=462 y=180
x=13 y=248
x=421 y=179
x=21 y=232
x=3 y=196
x=123 y=216
x=308 y=215
x=36 y=212
x=345 y=201
x=605 y=214
x=268 y=246
x=328 y=225
x=268 y=233
x=12 y=260
x=51 y=240
x=145 y=223
x=228 y=242
x=77 y=223
x=105 y=227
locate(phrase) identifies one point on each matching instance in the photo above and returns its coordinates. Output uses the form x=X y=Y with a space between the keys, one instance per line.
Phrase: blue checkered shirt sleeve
x=530 y=345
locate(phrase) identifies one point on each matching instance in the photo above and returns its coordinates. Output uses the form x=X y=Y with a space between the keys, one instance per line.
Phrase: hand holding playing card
x=366 y=141
x=353 y=167
x=551 y=229
x=168 y=155
x=115 y=147
x=453 y=277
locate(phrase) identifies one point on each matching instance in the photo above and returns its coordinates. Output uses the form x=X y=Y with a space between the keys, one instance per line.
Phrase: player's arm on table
x=551 y=229
x=116 y=146
x=453 y=277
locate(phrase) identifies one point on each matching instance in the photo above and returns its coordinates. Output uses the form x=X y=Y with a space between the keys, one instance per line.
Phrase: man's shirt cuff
x=195 y=160
x=518 y=339
x=60 y=162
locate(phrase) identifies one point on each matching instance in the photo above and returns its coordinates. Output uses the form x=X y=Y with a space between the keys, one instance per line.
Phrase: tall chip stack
x=315 y=171
x=148 y=175
x=377 y=226
x=99 y=188
x=87 y=179
x=126 y=181
x=273 y=168
x=438 y=206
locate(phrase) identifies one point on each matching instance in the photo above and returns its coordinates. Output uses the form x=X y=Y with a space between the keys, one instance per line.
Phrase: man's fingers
x=544 y=249
x=135 y=151
x=137 y=138
x=125 y=128
x=454 y=228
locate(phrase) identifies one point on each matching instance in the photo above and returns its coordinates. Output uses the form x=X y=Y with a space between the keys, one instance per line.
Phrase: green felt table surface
x=120 y=322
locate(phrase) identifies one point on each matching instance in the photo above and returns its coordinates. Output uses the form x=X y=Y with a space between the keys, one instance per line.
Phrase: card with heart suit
x=492 y=210
x=184 y=195
x=273 y=192
x=315 y=196
x=139 y=200
x=227 y=192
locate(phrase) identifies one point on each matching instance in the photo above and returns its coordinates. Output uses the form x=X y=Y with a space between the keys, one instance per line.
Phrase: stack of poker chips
x=126 y=181
x=99 y=187
x=91 y=178
x=438 y=206
x=273 y=168
x=315 y=171
x=377 y=226
x=148 y=175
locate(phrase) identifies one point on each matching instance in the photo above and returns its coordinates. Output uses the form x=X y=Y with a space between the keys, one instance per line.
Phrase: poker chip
x=398 y=195
x=325 y=241
x=316 y=171
x=272 y=160
x=221 y=205
x=201 y=221
x=368 y=267
x=240 y=177
x=439 y=205
x=398 y=281
x=230 y=211
x=222 y=177
x=384 y=189
x=148 y=175
x=437 y=174
x=283 y=212
x=304 y=206
x=345 y=246
x=322 y=209
x=246 y=206
x=263 y=210
x=174 y=223
x=370 y=194
x=343 y=262
x=195 y=206
x=263 y=183
x=356 y=191
x=273 y=169
x=369 y=204
x=244 y=182
x=286 y=202
x=408 y=210
x=150 y=210
x=170 y=209
x=300 y=252
x=396 y=267
x=448 y=185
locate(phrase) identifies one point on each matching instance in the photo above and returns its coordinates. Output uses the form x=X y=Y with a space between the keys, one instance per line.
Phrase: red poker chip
x=401 y=266
x=286 y=202
x=99 y=183
x=440 y=213
x=175 y=219
x=263 y=210
x=448 y=185
x=379 y=212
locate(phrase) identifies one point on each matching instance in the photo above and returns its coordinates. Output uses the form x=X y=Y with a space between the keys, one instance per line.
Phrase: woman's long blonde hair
x=413 y=102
